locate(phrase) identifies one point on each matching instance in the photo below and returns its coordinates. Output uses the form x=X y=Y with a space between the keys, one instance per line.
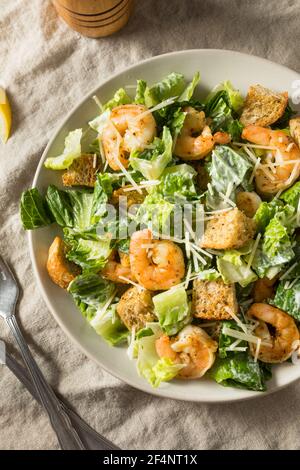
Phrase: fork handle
x=60 y=421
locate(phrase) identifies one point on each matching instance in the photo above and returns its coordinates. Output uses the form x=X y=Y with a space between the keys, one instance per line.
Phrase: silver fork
x=60 y=421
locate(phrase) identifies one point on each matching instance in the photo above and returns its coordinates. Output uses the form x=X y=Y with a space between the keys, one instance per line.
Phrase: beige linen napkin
x=47 y=69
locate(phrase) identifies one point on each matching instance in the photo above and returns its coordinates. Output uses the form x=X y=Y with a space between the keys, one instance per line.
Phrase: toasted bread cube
x=262 y=106
x=214 y=300
x=135 y=308
x=295 y=129
x=133 y=197
x=82 y=172
x=227 y=230
x=61 y=270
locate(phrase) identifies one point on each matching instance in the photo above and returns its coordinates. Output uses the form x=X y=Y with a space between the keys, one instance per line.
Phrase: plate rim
x=248 y=395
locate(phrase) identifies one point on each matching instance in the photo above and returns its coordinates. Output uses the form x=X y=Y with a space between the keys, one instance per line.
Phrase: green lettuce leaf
x=152 y=163
x=155 y=210
x=189 y=91
x=234 y=97
x=177 y=183
x=283 y=121
x=235 y=272
x=227 y=167
x=102 y=192
x=222 y=106
x=71 y=151
x=34 y=211
x=292 y=195
x=99 y=123
x=172 y=310
x=226 y=341
x=276 y=243
x=108 y=324
x=120 y=97
x=140 y=92
x=91 y=255
x=209 y=275
x=288 y=299
x=240 y=371
x=150 y=366
x=60 y=206
x=90 y=292
x=172 y=85
x=82 y=204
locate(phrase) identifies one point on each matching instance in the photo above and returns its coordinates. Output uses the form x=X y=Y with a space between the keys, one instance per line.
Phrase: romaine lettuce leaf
x=276 y=243
x=266 y=212
x=90 y=292
x=91 y=255
x=177 y=183
x=155 y=210
x=288 y=299
x=150 y=366
x=152 y=163
x=82 y=204
x=71 y=151
x=34 y=211
x=120 y=97
x=292 y=195
x=60 y=206
x=172 y=85
x=99 y=123
x=235 y=98
x=108 y=324
x=140 y=92
x=221 y=106
x=102 y=192
x=227 y=167
x=239 y=370
x=209 y=275
x=283 y=121
x=226 y=341
x=172 y=310
x=235 y=272
x=189 y=91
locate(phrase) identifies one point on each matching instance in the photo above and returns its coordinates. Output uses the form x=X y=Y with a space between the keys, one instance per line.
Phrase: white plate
x=215 y=66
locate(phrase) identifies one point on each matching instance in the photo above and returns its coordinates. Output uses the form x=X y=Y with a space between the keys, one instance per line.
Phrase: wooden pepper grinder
x=94 y=18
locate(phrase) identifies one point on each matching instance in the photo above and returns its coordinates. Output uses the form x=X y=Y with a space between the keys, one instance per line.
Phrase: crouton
x=262 y=106
x=295 y=129
x=133 y=197
x=82 y=172
x=213 y=300
x=227 y=230
x=61 y=271
x=135 y=308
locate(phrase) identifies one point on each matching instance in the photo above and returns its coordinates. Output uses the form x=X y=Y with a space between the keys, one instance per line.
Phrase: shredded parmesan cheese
x=188 y=276
x=256 y=166
x=255 y=146
x=252 y=254
x=131 y=282
x=226 y=199
x=258 y=345
x=161 y=105
x=98 y=102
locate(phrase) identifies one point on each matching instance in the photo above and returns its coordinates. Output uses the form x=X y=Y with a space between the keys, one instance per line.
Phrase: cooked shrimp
x=193 y=347
x=115 y=270
x=248 y=202
x=61 y=271
x=263 y=289
x=156 y=264
x=125 y=132
x=284 y=159
x=195 y=140
x=277 y=328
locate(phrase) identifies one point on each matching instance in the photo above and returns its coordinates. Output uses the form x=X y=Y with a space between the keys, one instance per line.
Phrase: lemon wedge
x=5 y=116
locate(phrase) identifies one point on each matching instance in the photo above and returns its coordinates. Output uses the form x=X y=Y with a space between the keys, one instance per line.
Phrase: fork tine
x=9 y=289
